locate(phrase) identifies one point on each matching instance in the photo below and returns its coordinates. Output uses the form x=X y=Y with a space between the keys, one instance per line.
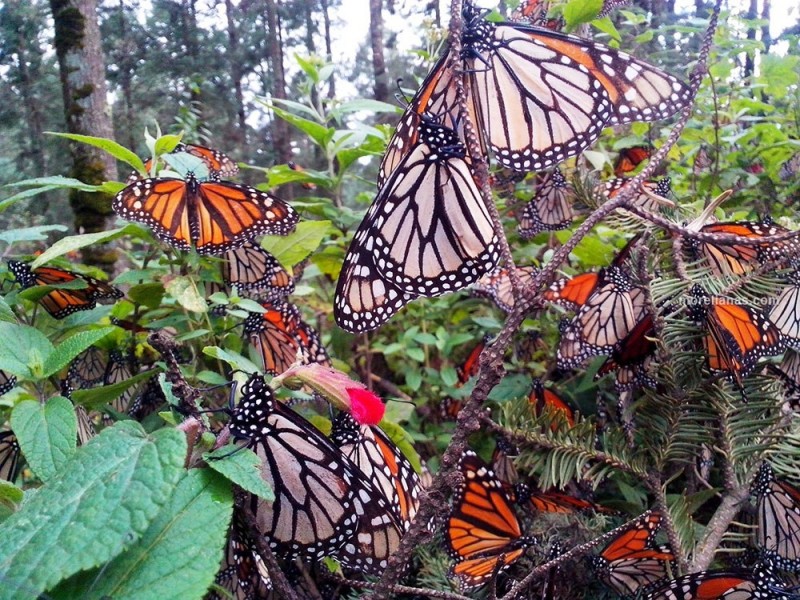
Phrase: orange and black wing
x=497 y=286
x=778 y=509
x=482 y=531
x=542 y=398
x=630 y=158
x=251 y=268
x=630 y=561
x=212 y=216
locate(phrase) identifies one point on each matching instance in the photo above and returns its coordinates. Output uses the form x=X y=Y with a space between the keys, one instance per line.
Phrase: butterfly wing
x=497 y=286
x=322 y=501
x=778 y=509
x=214 y=216
x=250 y=267
x=429 y=227
x=9 y=456
x=550 y=209
x=219 y=165
x=482 y=531
x=7 y=382
x=545 y=96
x=381 y=461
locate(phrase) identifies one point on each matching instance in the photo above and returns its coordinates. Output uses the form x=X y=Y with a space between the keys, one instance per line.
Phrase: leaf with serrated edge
x=103 y=500
x=158 y=566
x=47 y=434
x=243 y=467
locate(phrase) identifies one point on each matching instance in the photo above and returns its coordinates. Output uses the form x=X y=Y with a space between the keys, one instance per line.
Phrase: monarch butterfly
x=758 y=584
x=214 y=216
x=573 y=292
x=604 y=320
x=483 y=532
x=785 y=313
x=550 y=208
x=553 y=501
x=789 y=375
x=497 y=286
x=736 y=259
x=502 y=462
x=630 y=158
x=148 y=399
x=736 y=335
x=631 y=359
x=250 y=267
x=7 y=382
x=778 y=508
x=658 y=187
x=9 y=455
x=382 y=462
x=219 y=165
x=243 y=572
x=88 y=369
x=427 y=233
x=307 y=185
x=702 y=162
x=631 y=561
x=323 y=505
x=539 y=96
x=62 y=302
x=120 y=367
x=281 y=337
x=450 y=407
x=535 y=12
x=86 y=429
x=542 y=398
x=790 y=168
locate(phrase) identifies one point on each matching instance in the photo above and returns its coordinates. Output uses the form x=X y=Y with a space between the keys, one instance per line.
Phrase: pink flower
x=338 y=389
x=366 y=407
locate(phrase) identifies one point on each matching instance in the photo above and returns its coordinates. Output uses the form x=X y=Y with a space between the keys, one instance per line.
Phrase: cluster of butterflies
x=349 y=496
x=484 y=537
x=537 y=97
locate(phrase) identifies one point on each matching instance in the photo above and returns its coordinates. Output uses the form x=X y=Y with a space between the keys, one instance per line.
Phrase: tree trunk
x=326 y=19
x=236 y=75
x=749 y=60
x=32 y=106
x=82 y=70
x=376 y=41
x=280 y=129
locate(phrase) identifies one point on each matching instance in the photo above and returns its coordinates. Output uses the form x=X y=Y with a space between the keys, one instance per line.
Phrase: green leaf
x=291 y=249
x=606 y=25
x=113 y=148
x=184 y=290
x=235 y=360
x=47 y=434
x=75 y=242
x=10 y=499
x=158 y=566
x=318 y=133
x=577 y=12
x=148 y=294
x=101 y=501
x=71 y=347
x=23 y=350
x=166 y=143
x=166 y=387
x=29 y=234
x=241 y=466
x=363 y=104
x=30 y=193
x=6 y=314
x=99 y=397
x=416 y=353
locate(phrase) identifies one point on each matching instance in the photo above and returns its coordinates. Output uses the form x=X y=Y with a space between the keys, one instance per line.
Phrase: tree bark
x=749 y=60
x=82 y=69
x=280 y=129
x=326 y=19
x=376 y=41
x=236 y=74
